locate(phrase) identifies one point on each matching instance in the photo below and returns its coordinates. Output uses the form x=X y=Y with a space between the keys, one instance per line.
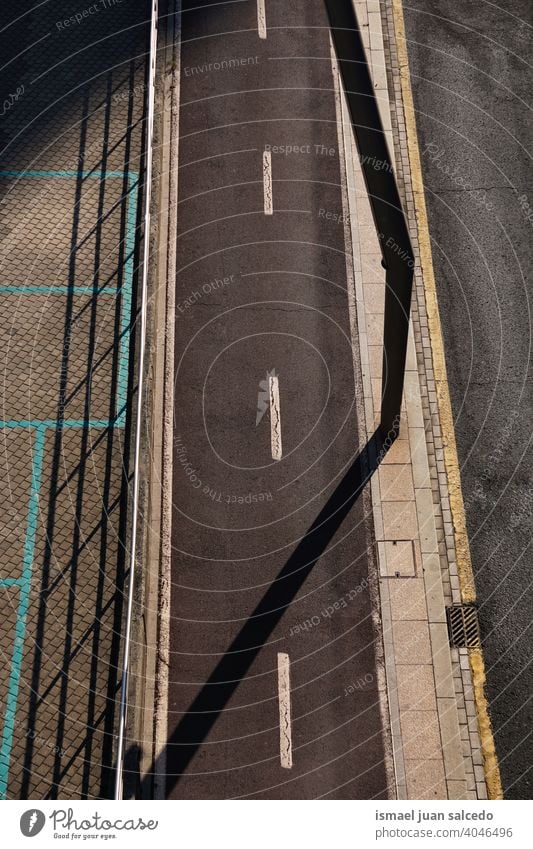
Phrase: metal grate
x=463 y=626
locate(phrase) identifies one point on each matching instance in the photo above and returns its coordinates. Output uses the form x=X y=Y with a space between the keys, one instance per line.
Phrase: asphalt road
x=269 y=569
x=473 y=83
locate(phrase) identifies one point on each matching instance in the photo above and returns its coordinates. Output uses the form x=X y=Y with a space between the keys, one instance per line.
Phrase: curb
x=148 y=708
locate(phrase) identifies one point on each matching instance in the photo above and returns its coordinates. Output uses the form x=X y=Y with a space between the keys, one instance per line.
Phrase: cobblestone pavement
x=70 y=142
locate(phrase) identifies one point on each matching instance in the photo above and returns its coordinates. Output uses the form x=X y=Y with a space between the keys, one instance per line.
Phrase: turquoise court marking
x=24 y=597
x=125 y=290
x=126 y=316
x=40 y=427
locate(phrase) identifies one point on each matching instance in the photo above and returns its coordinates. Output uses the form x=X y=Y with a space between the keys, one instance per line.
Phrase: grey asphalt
x=269 y=556
x=472 y=82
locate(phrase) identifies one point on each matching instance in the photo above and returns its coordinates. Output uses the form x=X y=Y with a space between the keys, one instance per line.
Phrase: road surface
x=273 y=688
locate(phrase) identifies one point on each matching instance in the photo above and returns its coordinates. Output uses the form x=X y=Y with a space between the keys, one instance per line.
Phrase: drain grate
x=463 y=626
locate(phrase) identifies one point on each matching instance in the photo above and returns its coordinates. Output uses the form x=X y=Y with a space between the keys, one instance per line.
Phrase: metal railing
x=150 y=95
x=389 y=219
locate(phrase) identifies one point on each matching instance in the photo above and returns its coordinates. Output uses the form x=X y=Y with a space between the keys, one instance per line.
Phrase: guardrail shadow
x=385 y=203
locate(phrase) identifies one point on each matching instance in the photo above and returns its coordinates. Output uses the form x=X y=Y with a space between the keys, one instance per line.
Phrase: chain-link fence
x=70 y=188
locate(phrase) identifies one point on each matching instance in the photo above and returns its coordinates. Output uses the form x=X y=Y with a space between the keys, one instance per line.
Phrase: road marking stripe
x=261 y=19
x=267 y=182
x=275 y=417
x=284 y=697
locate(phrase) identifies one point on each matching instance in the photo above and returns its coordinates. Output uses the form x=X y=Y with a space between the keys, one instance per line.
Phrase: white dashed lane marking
x=261 y=19
x=275 y=417
x=284 y=696
x=267 y=182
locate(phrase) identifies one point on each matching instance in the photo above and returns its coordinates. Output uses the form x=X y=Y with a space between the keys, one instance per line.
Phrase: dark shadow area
x=132 y=772
x=231 y=669
x=385 y=203
x=50 y=60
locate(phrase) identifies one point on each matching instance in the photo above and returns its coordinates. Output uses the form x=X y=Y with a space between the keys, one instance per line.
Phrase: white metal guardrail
x=123 y=707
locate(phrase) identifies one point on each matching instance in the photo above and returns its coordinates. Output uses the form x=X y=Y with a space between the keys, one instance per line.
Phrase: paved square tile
x=416 y=687
x=407 y=598
x=411 y=642
x=421 y=735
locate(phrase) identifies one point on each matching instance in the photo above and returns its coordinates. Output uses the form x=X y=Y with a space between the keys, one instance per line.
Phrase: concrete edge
x=464 y=562
x=168 y=246
x=148 y=708
x=139 y=660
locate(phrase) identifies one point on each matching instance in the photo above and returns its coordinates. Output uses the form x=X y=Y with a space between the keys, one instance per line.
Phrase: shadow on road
x=196 y=724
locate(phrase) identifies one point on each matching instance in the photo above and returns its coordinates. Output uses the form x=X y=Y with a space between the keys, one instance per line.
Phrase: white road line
x=261 y=19
x=275 y=417
x=284 y=697
x=267 y=182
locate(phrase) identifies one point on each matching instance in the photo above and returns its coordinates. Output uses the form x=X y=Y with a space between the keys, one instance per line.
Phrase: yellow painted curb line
x=490 y=758
x=451 y=460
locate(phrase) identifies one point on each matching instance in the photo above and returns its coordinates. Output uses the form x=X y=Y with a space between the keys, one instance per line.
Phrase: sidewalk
x=421 y=544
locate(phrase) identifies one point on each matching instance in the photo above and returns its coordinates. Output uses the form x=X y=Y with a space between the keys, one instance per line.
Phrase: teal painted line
x=40 y=426
x=58 y=290
x=24 y=598
x=126 y=316
x=127 y=288
x=56 y=423
x=82 y=174
x=124 y=341
x=124 y=338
